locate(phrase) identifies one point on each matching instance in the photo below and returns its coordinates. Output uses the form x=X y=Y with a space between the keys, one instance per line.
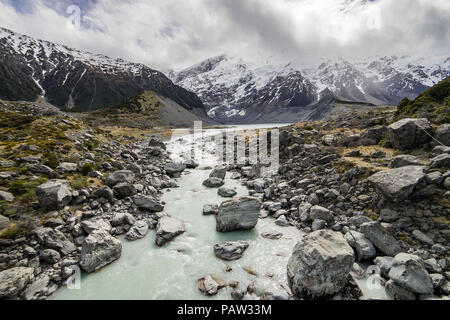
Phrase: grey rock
x=380 y=238
x=14 y=280
x=147 y=203
x=120 y=218
x=440 y=162
x=403 y=161
x=398 y=184
x=174 y=168
x=96 y=224
x=318 y=224
x=304 y=210
x=385 y=265
x=219 y=172
x=40 y=169
x=409 y=133
x=230 y=250
x=282 y=221
x=49 y=256
x=210 y=285
x=363 y=247
x=6 y=196
x=213 y=182
x=54 y=239
x=37 y=286
x=98 y=250
x=137 y=231
x=320 y=264
x=54 y=194
x=210 y=209
x=104 y=192
x=274 y=235
x=422 y=237
x=121 y=176
x=67 y=167
x=318 y=212
x=167 y=229
x=388 y=215
x=442 y=135
x=398 y=293
x=437 y=279
x=124 y=190
x=408 y=272
x=226 y=193
x=238 y=214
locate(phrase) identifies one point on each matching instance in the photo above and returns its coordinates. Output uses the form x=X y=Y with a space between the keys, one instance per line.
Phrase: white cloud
x=178 y=33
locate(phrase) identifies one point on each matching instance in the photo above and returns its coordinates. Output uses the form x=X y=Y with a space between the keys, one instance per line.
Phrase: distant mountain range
x=224 y=88
x=237 y=90
x=76 y=80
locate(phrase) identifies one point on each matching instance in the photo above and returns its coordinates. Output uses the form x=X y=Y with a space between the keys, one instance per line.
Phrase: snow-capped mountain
x=239 y=90
x=74 y=79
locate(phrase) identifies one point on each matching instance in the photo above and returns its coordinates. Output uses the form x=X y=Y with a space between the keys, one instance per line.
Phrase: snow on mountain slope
x=70 y=78
x=231 y=86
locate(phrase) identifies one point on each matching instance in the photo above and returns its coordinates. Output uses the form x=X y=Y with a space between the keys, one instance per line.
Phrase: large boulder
x=320 y=264
x=54 y=194
x=398 y=184
x=408 y=271
x=363 y=247
x=442 y=135
x=14 y=280
x=54 y=239
x=167 y=229
x=409 y=133
x=98 y=250
x=219 y=172
x=380 y=238
x=124 y=190
x=121 y=176
x=238 y=214
x=147 y=203
x=230 y=250
x=66 y=167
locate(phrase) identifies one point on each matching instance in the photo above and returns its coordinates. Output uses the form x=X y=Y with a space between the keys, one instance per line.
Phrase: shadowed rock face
x=238 y=214
x=320 y=264
x=409 y=133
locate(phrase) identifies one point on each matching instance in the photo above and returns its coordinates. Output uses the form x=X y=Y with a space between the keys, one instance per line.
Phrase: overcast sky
x=174 y=34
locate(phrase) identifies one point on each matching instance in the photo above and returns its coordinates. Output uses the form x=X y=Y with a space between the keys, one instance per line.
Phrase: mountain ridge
x=74 y=79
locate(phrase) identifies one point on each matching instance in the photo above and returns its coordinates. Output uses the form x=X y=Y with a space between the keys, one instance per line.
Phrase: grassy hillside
x=433 y=104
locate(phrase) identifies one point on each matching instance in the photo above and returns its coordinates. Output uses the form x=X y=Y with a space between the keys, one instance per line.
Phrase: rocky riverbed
x=351 y=198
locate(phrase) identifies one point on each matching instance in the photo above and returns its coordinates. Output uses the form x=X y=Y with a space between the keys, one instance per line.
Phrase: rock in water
x=398 y=184
x=226 y=193
x=210 y=209
x=213 y=182
x=137 y=231
x=409 y=133
x=238 y=214
x=54 y=194
x=320 y=264
x=210 y=285
x=98 y=250
x=219 y=172
x=167 y=229
x=381 y=238
x=174 y=168
x=230 y=250
x=408 y=271
x=55 y=239
x=148 y=203
x=14 y=280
